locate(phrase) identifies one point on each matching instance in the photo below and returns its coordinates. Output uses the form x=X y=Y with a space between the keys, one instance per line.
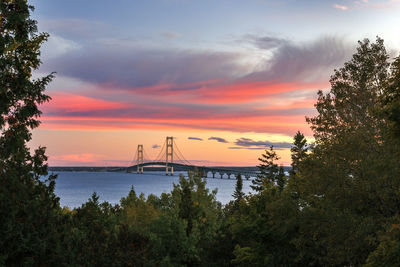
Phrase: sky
x=225 y=78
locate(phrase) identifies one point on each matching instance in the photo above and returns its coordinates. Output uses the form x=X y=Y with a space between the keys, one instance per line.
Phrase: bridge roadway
x=204 y=170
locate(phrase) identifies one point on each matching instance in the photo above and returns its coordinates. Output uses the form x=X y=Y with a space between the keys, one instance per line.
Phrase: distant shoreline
x=121 y=169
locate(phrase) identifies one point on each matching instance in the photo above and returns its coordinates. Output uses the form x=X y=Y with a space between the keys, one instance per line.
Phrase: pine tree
x=238 y=194
x=281 y=179
x=28 y=206
x=299 y=151
x=268 y=170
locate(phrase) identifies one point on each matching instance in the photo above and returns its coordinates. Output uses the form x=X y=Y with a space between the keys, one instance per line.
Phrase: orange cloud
x=242 y=107
x=85 y=159
x=270 y=124
x=76 y=103
x=220 y=92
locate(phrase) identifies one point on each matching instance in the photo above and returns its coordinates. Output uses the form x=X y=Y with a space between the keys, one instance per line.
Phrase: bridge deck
x=203 y=169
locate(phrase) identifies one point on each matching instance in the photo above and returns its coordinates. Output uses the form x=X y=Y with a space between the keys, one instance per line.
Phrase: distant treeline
x=339 y=205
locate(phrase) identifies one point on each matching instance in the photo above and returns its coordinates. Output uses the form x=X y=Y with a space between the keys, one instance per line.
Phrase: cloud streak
x=133 y=67
x=218 y=139
x=251 y=144
x=195 y=138
x=302 y=62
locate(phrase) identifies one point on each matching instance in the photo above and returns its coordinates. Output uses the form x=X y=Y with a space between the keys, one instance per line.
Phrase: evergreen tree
x=268 y=170
x=281 y=179
x=28 y=207
x=298 y=150
x=238 y=194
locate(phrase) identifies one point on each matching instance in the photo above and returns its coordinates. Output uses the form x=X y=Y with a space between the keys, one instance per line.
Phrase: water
x=75 y=188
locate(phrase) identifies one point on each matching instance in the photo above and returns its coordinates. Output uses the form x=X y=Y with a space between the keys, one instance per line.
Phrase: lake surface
x=75 y=188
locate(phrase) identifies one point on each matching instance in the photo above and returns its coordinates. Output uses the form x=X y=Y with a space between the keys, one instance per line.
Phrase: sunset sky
x=226 y=78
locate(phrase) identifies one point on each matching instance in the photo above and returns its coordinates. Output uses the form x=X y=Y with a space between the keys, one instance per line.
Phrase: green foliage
x=351 y=176
x=388 y=251
x=268 y=171
x=392 y=98
x=238 y=193
x=31 y=222
x=298 y=151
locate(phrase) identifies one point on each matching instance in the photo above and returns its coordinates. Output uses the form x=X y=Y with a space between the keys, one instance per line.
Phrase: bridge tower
x=169 y=155
x=139 y=159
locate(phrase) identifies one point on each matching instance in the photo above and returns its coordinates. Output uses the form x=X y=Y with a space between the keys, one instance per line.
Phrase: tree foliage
x=29 y=227
x=268 y=170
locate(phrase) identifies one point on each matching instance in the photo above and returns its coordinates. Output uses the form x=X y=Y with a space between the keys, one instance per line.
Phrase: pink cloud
x=84 y=159
x=213 y=105
x=262 y=124
x=76 y=103
x=341 y=7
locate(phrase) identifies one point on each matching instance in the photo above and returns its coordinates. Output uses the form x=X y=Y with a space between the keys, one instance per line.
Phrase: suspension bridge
x=172 y=158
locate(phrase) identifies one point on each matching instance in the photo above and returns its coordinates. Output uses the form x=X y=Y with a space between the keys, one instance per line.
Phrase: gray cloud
x=250 y=148
x=195 y=138
x=130 y=66
x=308 y=61
x=171 y=35
x=156 y=146
x=265 y=42
x=251 y=144
x=218 y=139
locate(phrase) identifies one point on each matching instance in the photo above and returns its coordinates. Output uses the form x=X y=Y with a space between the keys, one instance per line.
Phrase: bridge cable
x=181 y=155
x=146 y=157
x=134 y=160
x=180 y=158
x=159 y=156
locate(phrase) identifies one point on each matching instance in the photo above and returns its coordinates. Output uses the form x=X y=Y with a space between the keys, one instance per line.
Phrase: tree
x=187 y=209
x=281 y=179
x=268 y=170
x=28 y=207
x=392 y=98
x=298 y=150
x=238 y=194
x=388 y=251
x=183 y=235
x=351 y=174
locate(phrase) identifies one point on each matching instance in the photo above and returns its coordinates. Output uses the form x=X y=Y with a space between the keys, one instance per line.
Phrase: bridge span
x=203 y=170
x=172 y=153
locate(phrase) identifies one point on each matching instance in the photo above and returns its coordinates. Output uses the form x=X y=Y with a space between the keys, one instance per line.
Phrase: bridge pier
x=169 y=168
x=139 y=159
x=229 y=175
x=213 y=174
x=247 y=177
x=169 y=155
x=139 y=169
